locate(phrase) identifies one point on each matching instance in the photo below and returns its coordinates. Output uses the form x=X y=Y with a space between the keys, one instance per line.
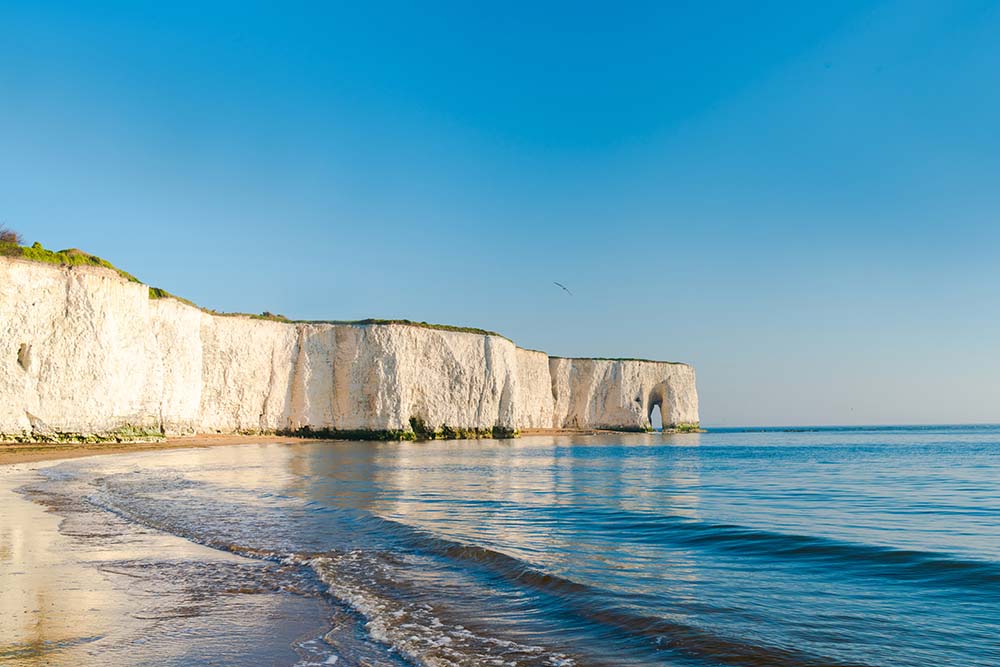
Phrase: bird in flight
x=565 y=289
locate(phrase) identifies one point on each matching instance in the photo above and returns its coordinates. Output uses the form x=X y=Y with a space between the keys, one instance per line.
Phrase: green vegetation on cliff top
x=68 y=257
x=652 y=361
x=10 y=247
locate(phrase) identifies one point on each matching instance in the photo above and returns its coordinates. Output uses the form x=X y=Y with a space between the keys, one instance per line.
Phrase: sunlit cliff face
x=93 y=355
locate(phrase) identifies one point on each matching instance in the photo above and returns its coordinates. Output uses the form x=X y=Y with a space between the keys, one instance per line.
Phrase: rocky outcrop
x=89 y=353
x=621 y=393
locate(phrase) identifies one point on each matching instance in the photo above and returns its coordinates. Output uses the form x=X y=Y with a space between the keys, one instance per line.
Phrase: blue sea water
x=744 y=547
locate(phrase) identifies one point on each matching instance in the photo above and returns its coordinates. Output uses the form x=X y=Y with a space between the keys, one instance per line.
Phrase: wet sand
x=82 y=588
x=78 y=590
x=30 y=452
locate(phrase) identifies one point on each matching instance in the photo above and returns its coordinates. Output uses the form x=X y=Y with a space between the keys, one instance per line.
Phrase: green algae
x=127 y=433
x=418 y=431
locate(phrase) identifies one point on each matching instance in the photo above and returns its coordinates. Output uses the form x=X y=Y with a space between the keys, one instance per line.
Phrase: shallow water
x=877 y=546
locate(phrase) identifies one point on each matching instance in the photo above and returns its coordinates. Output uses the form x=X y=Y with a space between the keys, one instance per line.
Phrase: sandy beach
x=31 y=452
x=82 y=587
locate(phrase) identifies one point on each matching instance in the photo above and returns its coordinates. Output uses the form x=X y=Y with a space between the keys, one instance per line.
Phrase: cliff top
x=76 y=257
x=68 y=257
x=648 y=361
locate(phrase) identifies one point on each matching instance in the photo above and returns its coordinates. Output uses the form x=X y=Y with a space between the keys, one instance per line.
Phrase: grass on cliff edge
x=652 y=361
x=77 y=257
x=368 y=321
x=68 y=257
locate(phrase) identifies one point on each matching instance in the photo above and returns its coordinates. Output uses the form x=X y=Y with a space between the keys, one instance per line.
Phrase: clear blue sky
x=801 y=199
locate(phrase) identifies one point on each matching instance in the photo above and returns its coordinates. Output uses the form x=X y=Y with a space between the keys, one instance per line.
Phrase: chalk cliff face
x=87 y=352
x=621 y=393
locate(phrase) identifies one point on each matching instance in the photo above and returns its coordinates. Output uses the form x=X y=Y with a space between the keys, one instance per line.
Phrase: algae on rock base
x=418 y=431
x=124 y=434
x=685 y=427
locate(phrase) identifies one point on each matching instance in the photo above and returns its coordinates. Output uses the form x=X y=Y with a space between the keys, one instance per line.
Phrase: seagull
x=565 y=289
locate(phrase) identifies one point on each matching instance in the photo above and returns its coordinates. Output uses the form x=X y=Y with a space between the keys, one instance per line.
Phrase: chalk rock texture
x=621 y=393
x=87 y=352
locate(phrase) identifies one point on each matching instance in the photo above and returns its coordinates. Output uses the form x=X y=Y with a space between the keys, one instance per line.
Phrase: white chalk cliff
x=87 y=352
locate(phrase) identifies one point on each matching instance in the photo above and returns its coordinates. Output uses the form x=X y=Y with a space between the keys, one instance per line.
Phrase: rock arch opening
x=656 y=417
x=658 y=408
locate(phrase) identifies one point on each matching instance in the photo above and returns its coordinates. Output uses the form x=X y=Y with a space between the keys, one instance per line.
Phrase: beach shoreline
x=82 y=587
x=33 y=452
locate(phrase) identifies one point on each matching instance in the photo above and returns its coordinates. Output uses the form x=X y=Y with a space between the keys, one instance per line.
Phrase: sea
x=755 y=547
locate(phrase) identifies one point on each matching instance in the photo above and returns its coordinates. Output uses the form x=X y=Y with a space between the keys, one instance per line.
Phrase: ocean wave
x=428 y=634
x=598 y=607
x=400 y=607
x=926 y=568
x=373 y=585
x=416 y=621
